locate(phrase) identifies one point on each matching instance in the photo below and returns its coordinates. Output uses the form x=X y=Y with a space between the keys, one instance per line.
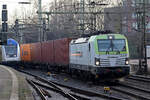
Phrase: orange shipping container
x=36 y=56
x=25 y=52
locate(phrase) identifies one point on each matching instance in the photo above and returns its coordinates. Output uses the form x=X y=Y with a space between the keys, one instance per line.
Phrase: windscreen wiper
x=118 y=52
x=107 y=51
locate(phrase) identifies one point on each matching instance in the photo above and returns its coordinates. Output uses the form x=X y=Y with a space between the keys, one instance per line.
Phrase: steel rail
x=53 y=85
x=134 y=87
x=141 y=97
x=88 y=93
x=57 y=90
x=139 y=79
x=37 y=89
x=84 y=92
x=141 y=76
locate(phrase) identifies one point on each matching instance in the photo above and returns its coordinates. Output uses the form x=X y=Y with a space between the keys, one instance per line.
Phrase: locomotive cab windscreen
x=109 y=45
x=11 y=50
x=111 y=50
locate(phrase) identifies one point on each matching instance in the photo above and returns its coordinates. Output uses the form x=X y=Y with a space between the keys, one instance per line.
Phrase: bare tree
x=67 y=25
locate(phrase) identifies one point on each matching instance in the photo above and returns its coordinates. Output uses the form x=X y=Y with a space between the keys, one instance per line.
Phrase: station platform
x=13 y=85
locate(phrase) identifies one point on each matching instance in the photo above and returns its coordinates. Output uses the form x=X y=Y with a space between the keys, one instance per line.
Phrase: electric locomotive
x=103 y=56
x=11 y=52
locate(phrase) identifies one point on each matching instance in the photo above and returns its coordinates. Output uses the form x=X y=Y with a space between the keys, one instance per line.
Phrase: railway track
x=55 y=88
x=135 y=86
x=52 y=87
x=38 y=89
x=73 y=93
x=132 y=90
x=140 y=78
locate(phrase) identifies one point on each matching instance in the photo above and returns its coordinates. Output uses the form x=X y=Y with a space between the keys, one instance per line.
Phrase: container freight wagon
x=47 y=52
x=36 y=54
x=61 y=48
x=53 y=53
x=25 y=53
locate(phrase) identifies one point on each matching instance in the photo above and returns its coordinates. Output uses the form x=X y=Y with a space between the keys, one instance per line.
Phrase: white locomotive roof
x=80 y=40
x=92 y=38
x=83 y=40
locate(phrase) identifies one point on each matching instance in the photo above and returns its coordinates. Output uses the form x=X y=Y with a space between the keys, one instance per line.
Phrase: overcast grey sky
x=14 y=7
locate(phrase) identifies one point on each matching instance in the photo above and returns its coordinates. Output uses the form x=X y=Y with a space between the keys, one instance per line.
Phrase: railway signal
x=4 y=15
x=3 y=34
x=141 y=21
x=44 y=30
x=16 y=27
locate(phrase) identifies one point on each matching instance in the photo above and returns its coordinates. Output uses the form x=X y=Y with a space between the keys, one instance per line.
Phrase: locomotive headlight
x=127 y=61
x=97 y=62
x=110 y=37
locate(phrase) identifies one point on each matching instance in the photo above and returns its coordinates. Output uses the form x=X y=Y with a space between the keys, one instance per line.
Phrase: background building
x=128 y=19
